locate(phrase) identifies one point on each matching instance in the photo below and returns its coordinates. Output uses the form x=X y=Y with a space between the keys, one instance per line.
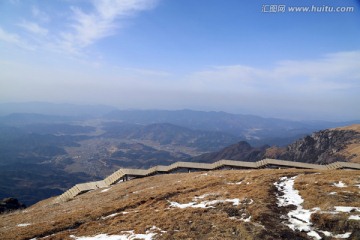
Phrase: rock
x=9 y=204
x=321 y=147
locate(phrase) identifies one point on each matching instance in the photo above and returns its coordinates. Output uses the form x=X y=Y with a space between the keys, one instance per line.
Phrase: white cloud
x=337 y=71
x=330 y=66
x=89 y=27
x=81 y=29
x=39 y=15
x=13 y=39
x=33 y=28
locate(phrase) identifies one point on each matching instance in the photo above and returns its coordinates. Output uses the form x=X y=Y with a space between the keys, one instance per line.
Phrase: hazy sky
x=229 y=55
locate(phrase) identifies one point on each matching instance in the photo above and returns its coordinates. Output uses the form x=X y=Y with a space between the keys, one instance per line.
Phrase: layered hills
x=98 y=141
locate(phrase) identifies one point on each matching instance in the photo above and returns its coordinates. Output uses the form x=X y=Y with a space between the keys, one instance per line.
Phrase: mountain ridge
x=321 y=147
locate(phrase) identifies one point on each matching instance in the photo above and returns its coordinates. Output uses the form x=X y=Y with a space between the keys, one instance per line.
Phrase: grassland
x=232 y=204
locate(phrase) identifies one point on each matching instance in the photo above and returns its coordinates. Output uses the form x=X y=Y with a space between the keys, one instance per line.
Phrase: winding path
x=125 y=174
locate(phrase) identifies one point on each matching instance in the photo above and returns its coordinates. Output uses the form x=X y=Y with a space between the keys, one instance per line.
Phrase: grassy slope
x=353 y=149
x=147 y=203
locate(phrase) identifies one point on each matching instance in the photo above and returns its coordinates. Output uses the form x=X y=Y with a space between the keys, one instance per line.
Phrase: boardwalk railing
x=125 y=174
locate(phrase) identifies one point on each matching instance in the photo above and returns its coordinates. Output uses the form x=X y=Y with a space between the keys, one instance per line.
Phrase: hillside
x=326 y=146
x=322 y=147
x=239 y=151
x=169 y=135
x=352 y=149
x=34 y=147
x=237 y=204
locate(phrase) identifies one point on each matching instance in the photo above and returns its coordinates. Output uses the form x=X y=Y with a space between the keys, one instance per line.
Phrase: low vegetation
x=232 y=204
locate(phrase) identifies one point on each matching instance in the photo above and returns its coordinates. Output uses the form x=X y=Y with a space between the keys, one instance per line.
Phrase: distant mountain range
x=75 y=144
x=254 y=129
x=170 y=134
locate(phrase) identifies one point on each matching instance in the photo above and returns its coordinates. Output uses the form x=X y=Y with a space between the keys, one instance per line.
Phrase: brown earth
x=143 y=203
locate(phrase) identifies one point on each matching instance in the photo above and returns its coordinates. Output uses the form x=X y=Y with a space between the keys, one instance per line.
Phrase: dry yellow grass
x=352 y=150
x=354 y=127
x=146 y=203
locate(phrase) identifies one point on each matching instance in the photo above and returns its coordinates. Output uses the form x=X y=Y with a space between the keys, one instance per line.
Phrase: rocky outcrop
x=10 y=204
x=322 y=147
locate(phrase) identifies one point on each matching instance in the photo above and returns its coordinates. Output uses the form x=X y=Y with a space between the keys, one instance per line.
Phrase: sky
x=249 y=57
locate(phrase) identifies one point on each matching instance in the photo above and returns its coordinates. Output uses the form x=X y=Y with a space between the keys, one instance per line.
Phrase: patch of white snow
x=299 y=219
x=23 y=224
x=126 y=235
x=203 y=196
x=110 y=216
x=340 y=184
x=314 y=235
x=354 y=217
x=346 y=209
x=237 y=183
x=345 y=235
x=105 y=190
x=326 y=233
x=203 y=204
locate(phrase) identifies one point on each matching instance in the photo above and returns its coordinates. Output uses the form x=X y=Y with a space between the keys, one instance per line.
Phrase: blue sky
x=175 y=54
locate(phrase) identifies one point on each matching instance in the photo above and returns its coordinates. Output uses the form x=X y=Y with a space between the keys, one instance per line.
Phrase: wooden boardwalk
x=125 y=174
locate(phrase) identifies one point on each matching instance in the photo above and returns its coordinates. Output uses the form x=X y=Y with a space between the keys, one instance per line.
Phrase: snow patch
x=237 y=183
x=340 y=184
x=326 y=233
x=110 y=216
x=333 y=193
x=203 y=196
x=105 y=190
x=299 y=219
x=204 y=204
x=291 y=196
x=345 y=235
x=314 y=235
x=354 y=217
x=126 y=235
x=346 y=209
x=243 y=218
x=23 y=224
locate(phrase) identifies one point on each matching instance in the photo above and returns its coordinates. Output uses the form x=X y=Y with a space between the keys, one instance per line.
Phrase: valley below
x=44 y=155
